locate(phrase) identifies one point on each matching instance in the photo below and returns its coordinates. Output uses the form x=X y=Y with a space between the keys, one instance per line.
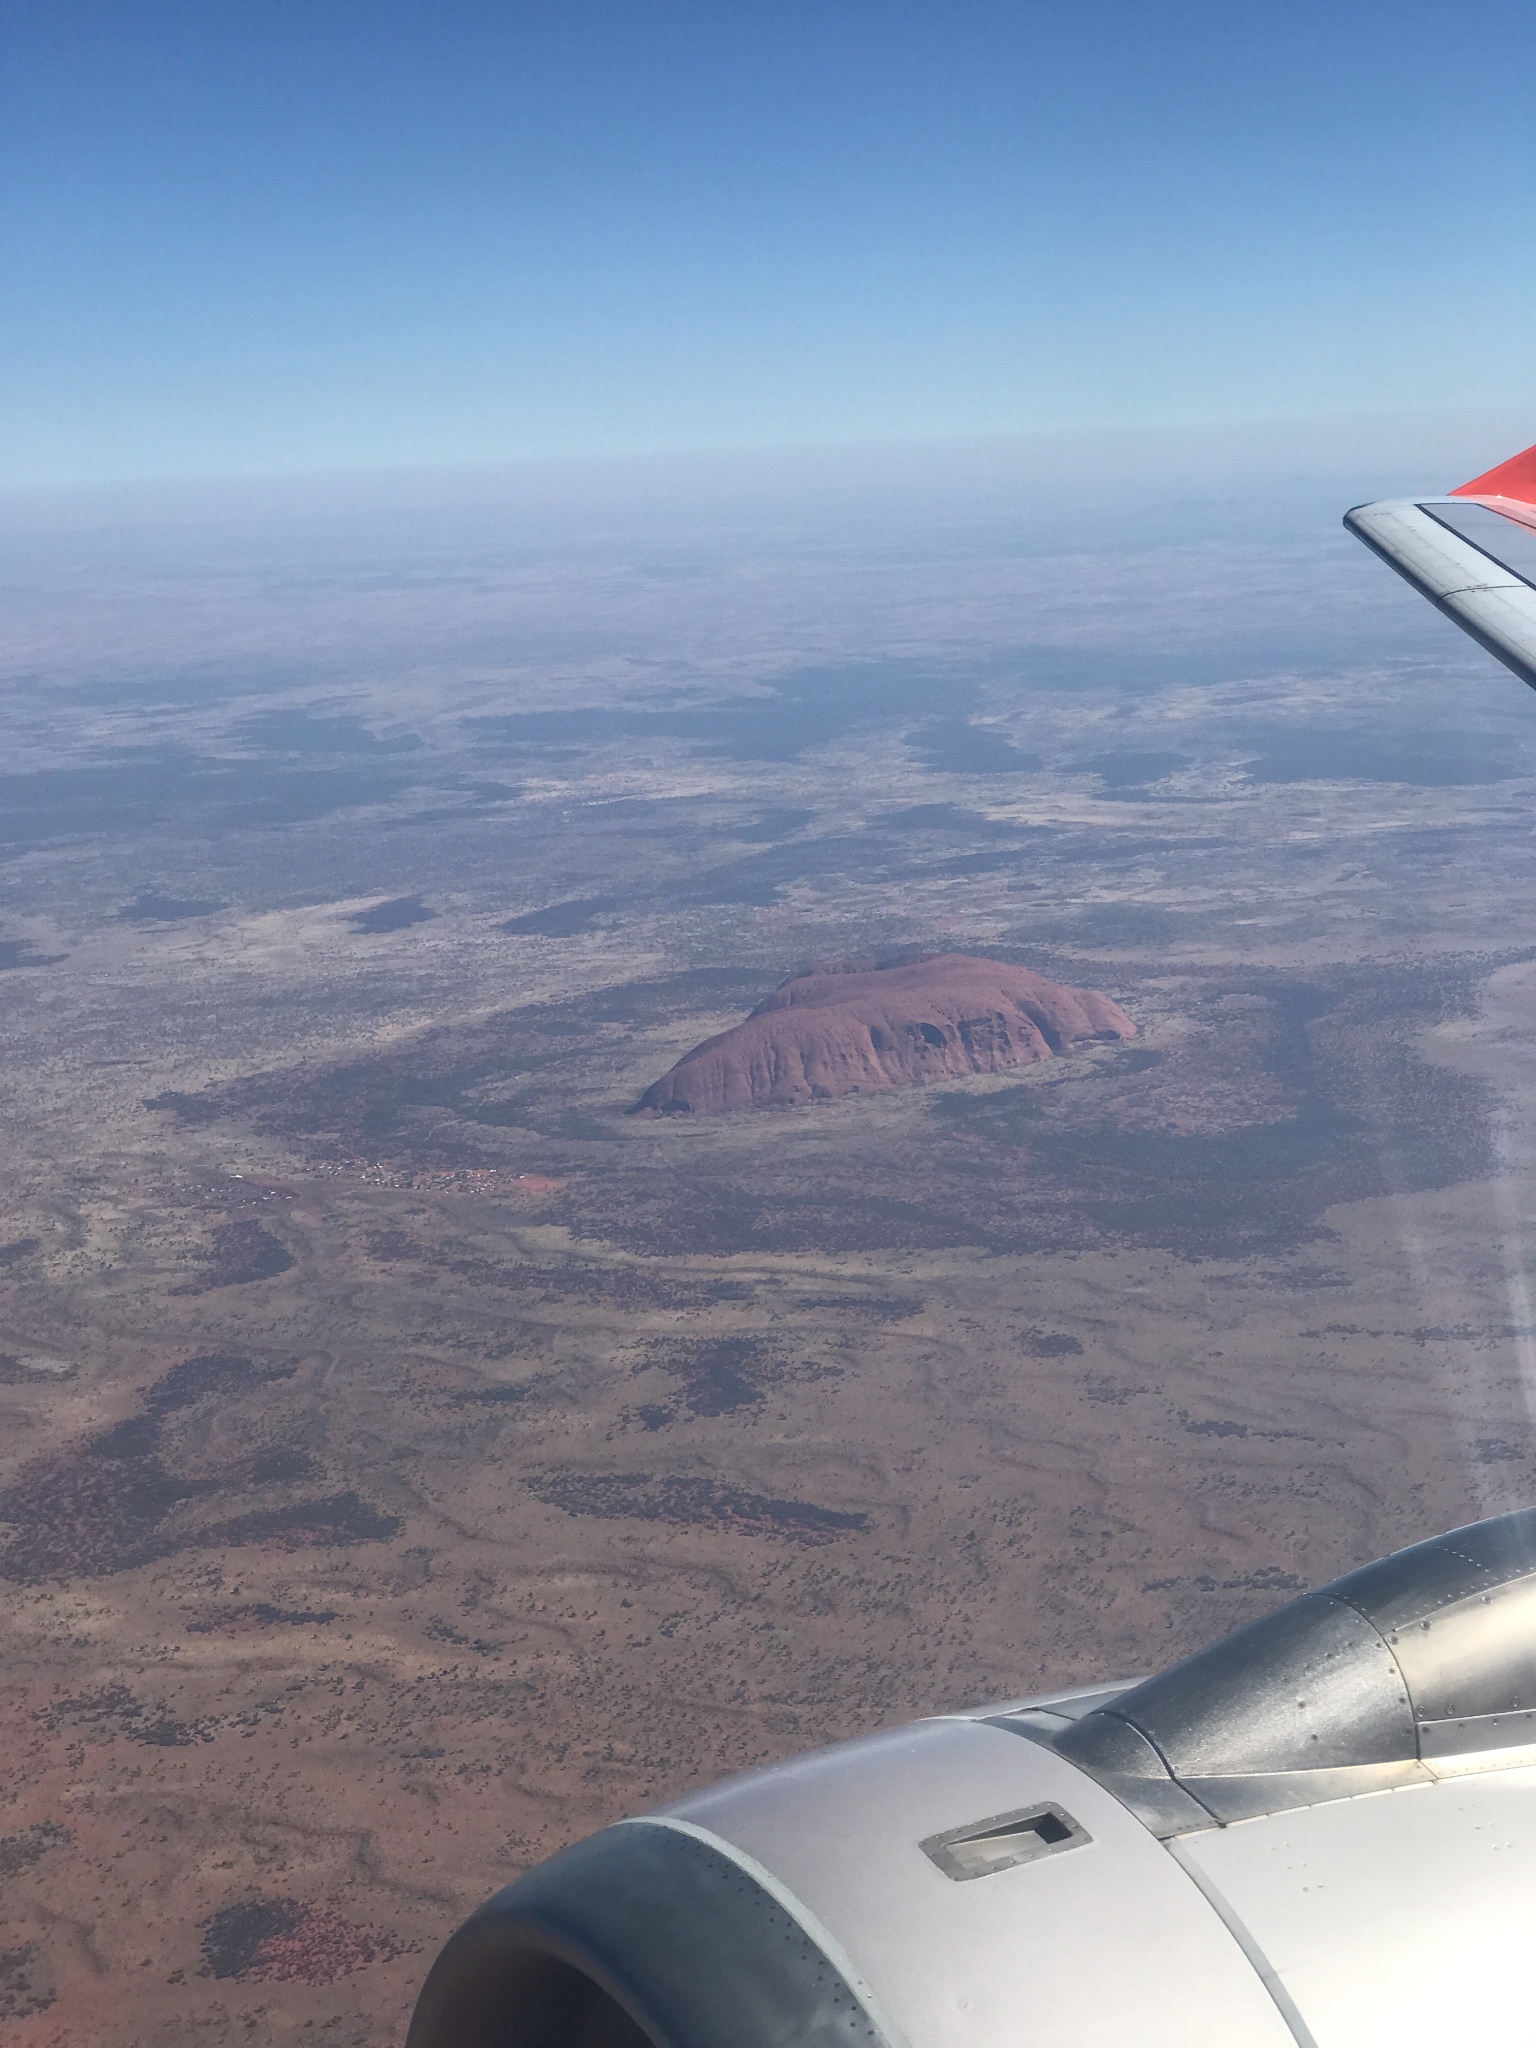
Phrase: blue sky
x=244 y=238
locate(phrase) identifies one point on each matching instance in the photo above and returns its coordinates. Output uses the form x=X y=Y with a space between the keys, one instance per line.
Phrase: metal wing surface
x=1472 y=553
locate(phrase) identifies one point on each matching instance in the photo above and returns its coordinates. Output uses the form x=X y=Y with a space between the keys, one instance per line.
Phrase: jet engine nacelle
x=1320 y=1830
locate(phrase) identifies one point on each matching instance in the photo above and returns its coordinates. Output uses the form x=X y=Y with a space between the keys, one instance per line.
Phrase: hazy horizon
x=1379 y=452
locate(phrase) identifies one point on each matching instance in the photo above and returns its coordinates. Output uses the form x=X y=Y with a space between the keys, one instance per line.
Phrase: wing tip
x=1515 y=479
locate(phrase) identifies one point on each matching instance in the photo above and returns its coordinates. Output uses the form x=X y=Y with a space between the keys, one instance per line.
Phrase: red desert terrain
x=870 y=1025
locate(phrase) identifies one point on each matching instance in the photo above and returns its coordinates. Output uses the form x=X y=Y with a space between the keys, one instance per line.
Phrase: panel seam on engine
x=1240 y=1932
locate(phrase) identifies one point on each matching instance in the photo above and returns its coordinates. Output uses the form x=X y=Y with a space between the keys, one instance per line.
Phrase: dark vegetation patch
x=109 y=1503
x=397 y=915
x=1109 y=1392
x=167 y=1733
x=1367 y=1115
x=1127 y=924
x=26 y=1986
x=1498 y=1450
x=213 y=1372
x=440 y=1630
x=97 y=1509
x=957 y=747
x=756 y=880
x=204 y=797
x=20 y=1851
x=681 y=822
x=1129 y=770
x=1489 y=1336
x=947 y=819
x=281 y=1465
x=150 y=906
x=1224 y=1426
x=249 y=1616
x=430 y=1098
x=19 y=953
x=1483 y=1336
x=692 y=1504
x=1432 y=842
x=1425 y=759
x=1133 y=672
x=1051 y=1344
x=627 y=1286
x=508 y=1396
x=560 y=920
x=797 y=712
x=717 y=1374
x=775 y=823
x=878 y=1308
x=1264 y=1578
x=201 y=685
x=241 y=1252
x=880 y=852
x=719 y=1214
x=338 y=1519
x=387 y=1246
x=279 y=1940
x=113 y=1713
x=18 y=1248
x=295 y=730
x=997 y=860
x=190 y=1110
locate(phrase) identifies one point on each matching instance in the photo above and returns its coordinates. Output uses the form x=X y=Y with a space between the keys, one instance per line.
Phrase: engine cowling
x=1320 y=1829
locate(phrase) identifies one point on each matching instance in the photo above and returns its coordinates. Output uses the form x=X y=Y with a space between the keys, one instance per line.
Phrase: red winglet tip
x=1513 y=479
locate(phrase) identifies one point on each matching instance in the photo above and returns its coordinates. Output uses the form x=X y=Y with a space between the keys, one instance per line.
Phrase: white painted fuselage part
x=1400 y=1920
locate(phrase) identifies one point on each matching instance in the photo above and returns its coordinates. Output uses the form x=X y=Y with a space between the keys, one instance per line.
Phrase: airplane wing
x=1472 y=553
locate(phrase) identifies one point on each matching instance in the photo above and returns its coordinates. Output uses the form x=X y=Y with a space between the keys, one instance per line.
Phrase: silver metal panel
x=1244 y=1798
x=1404 y=1588
x=1125 y=1763
x=1310 y=1687
x=1102 y=1742
x=1474 y=1659
x=1085 y=1699
x=1473 y=1762
x=1486 y=600
x=1109 y=1946
x=1505 y=1545
x=1372 y=1680
x=1068 y=1705
x=1398 y=1921
x=1480 y=1734
x=1038 y=1721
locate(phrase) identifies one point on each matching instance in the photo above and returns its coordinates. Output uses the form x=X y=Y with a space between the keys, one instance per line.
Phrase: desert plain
x=411 y=1460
